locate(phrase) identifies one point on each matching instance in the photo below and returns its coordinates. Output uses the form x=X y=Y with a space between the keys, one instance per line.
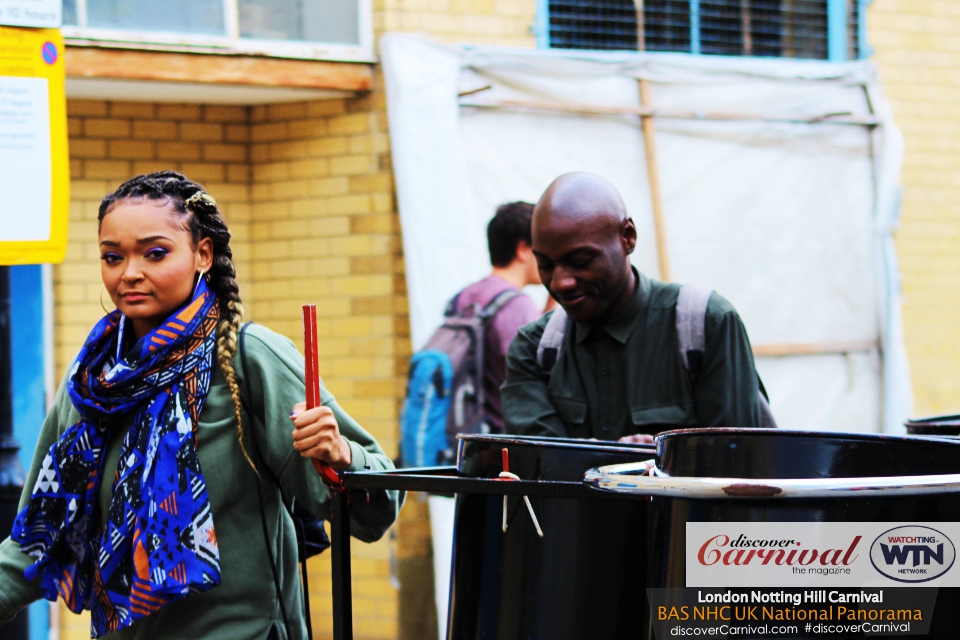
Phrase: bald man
x=617 y=373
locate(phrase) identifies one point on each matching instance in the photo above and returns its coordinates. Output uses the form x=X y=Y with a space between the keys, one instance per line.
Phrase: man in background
x=514 y=267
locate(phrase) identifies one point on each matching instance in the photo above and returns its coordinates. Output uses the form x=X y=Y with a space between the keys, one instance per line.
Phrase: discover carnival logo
x=744 y=550
x=912 y=554
x=820 y=554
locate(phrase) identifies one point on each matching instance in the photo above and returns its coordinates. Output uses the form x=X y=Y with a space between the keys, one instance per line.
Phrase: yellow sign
x=34 y=161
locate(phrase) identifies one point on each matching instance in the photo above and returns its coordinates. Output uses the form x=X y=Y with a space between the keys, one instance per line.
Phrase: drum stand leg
x=340 y=566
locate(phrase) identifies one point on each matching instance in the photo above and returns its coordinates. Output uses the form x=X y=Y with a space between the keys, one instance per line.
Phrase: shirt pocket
x=674 y=414
x=570 y=410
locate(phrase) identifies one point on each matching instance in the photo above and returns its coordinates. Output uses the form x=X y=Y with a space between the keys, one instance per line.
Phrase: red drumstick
x=311 y=358
x=311 y=371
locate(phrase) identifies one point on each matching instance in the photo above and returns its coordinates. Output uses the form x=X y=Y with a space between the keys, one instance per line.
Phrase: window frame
x=837 y=28
x=231 y=43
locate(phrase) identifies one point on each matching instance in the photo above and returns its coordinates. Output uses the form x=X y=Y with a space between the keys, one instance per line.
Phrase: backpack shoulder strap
x=548 y=351
x=246 y=395
x=451 y=309
x=692 y=339
x=497 y=304
x=691 y=318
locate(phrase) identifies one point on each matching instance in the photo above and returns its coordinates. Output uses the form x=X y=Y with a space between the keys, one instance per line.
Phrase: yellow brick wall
x=914 y=42
x=325 y=230
x=496 y=22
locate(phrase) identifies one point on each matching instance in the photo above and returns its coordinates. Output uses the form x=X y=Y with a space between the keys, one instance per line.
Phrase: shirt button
x=604 y=372
x=605 y=427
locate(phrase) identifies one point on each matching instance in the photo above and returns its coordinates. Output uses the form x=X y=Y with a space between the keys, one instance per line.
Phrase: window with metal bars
x=764 y=28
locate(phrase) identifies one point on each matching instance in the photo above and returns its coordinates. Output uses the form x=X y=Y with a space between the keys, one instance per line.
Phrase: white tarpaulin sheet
x=786 y=208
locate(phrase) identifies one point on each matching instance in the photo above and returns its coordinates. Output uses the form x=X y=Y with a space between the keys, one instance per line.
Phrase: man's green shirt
x=626 y=377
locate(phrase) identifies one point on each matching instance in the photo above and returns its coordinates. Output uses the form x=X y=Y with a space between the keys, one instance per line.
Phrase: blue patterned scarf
x=158 y=543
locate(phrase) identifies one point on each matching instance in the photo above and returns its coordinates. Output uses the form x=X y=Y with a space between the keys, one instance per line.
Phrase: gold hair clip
x=200 y=198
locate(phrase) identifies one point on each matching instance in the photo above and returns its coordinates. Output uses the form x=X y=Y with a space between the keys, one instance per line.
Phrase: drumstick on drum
x=506 y=475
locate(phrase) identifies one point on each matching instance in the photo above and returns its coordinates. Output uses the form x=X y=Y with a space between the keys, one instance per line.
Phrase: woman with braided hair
x=141 y=502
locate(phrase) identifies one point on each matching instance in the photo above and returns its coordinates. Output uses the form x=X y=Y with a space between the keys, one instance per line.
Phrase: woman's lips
x=133 y=296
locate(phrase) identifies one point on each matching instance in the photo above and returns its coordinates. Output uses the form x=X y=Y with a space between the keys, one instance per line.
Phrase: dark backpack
x=691 y=340
x=445 y=385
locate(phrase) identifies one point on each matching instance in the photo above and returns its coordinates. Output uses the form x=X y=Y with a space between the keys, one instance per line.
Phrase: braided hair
x=189 y=199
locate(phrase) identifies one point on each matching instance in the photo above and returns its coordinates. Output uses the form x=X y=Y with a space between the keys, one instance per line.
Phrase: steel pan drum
x=759 y=475
x=934 y=426
x=580 y=579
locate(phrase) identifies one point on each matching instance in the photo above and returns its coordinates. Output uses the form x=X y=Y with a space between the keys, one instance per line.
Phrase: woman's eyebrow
x=152 y=239
x=114 y=243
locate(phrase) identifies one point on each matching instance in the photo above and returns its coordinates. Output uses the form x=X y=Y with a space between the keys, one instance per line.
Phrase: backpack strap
x=451 y=309
x=691 y=318
x=493 y=307
x=497 y=304
x=548 y=351
x=692 y=339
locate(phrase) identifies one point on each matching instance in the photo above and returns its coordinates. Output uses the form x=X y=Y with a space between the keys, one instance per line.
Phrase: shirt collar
x=621 y=325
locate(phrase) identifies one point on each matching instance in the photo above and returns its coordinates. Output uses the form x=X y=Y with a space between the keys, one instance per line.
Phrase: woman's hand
x=637 y=438
x=316 y=435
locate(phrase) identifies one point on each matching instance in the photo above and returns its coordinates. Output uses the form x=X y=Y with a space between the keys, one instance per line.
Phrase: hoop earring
x=197 y=286
x=103 y=306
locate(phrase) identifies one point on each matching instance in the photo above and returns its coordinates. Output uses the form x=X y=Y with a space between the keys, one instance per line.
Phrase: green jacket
x=626 y=377
x=244 y=605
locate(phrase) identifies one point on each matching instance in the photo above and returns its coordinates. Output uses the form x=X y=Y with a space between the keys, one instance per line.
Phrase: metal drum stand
x=531 y=578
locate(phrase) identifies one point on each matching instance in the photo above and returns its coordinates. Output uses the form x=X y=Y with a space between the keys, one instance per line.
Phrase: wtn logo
x=899 y=554
x=912 y=554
